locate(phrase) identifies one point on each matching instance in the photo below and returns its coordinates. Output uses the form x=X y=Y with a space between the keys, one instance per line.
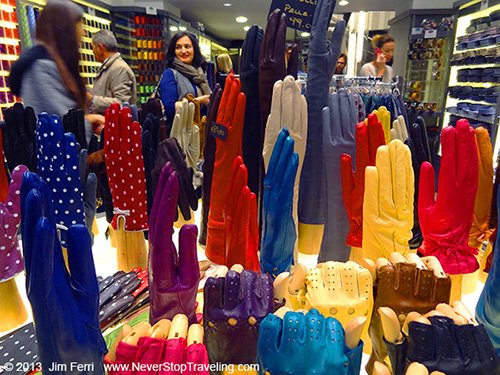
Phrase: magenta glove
x=11 y=262
x=173 y=280
x=446 y=221
x=197 y=354
x=150 y=352
x=174 y=354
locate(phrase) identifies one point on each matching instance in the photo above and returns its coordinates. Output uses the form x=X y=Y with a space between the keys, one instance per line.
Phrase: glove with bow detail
x=369 y=136
x=173 y=280
x=186 y=133
x=230 y=119
x=388 y=202
x=125 y=168
x=278 y=229
x=70 y=332
x=306 y=344
x=19 y=137
x=446 y=220
x=233 y=308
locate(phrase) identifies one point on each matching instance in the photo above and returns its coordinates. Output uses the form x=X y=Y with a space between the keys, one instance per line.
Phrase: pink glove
x=174 y=355
x=151 y=351
x=447 y=220
x=197 y=355
x=11 y=262
x=125 y=354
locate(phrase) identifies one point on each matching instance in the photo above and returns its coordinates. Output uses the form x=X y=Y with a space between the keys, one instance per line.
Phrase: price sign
x=299 y=13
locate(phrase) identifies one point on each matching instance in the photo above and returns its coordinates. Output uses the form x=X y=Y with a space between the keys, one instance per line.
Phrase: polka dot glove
x=58 y=161
x=10 y=216
x=125 y=168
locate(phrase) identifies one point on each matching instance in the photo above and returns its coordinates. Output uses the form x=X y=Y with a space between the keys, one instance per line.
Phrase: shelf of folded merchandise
x=484 y=65
x=470 y=117
x=473 y=49
x=477 y=84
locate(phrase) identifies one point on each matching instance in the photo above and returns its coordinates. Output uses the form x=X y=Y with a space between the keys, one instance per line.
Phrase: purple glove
x=173 y=280
x=233 y=308
x=11 y=262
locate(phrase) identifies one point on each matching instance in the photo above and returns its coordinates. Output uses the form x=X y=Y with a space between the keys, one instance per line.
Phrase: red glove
x=125 y=168
x=368 y=138
x=242 y=228
x=230 y=119
x=447 y=220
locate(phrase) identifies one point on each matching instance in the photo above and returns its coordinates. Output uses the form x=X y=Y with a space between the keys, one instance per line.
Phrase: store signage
x=299 y=12
x=417 y=31
x=218 y=131
x=151 y=10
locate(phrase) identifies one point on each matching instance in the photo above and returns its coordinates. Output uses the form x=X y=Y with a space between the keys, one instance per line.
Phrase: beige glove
x=399 y=129
x=186 y=133
x=388 y=202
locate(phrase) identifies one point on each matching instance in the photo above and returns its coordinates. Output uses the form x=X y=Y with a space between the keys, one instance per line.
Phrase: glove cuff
x=397 y=355
x=354 y=356
x=455 y=257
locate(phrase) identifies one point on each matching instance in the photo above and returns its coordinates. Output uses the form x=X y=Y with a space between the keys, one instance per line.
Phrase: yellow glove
x=388 y=202
x=340 y=290
x=384 y=116
x=482 y=205
x=288 y=286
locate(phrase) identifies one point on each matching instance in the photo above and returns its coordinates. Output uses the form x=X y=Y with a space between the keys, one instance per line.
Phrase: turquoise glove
x=305 y=344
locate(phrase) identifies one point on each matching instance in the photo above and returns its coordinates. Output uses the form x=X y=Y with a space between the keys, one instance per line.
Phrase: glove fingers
x=349 y=284
x=283 y=160
x=485 y=152
x=448 y=169
x=386 y=178
x=467 y=154
x=347 y=179
x=231 y=290
x=239 y=179
x=426 y=188
x=334 y=335
x=277 y=53
x=13 y=202
x=212 y=294
x=82 y=164
x=165 y=200
x=402 y=176
x=289 y=178
x=363 y=158
x=90 y=192
x=188 y=271
x=112 y=139
x=294 y=327
x=376 y=137
x=136 y=147
x=230 y=103
x=125 y=131
x=321 y=20
x=72 y=163
x=371 y=199
x=336 y=122
x=336 y=41
x=237 y=228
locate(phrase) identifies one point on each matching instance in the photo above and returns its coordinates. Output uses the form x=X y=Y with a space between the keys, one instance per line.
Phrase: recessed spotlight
x=174 y=28
x=246 y=28
x=241 y=19
x=227 y=4
x=305 y=34
x=343 y=3
x=182 y=28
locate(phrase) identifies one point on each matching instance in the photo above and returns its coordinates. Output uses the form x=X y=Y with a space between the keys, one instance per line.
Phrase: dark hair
x=380 y=39
x=343 y=56
x=198 y=59
x=56 y=31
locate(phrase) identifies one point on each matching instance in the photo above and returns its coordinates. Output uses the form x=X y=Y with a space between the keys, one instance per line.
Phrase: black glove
x=150 y=134
x=170 y=150
x=292 y=68
x=89 y=189
x=19 y=137
x=96 y=164
x=74 y=122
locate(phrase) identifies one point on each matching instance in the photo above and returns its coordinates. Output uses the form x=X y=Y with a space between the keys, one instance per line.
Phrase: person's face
x=184 y=50
x=98 y=50
x=340 y=64
x=80 y=32
x=388 y=50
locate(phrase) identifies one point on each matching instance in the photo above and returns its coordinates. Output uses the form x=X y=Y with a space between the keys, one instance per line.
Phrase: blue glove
x=339 y=126
x=278 y=232
x=320 y=66
x=89 y=188
x=133 y=109
x=305 y=344
x=488 y=306
x=65 y=304
x=58 y=162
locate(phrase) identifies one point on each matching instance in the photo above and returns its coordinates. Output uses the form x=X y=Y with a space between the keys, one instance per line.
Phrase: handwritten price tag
x=299 y=12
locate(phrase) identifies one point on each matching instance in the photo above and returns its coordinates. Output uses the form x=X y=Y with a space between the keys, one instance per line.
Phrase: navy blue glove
x=89 y=189
x=320 y=64
x=278 y=229
x=58 y=162
x=305 y=344
x=65 y=304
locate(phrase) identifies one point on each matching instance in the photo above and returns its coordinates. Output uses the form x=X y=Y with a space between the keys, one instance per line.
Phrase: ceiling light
x=227 y=4
x=246 y=28
x=305 y=34
x=182 y=28
x=343 y=3
x=174 y=28
x=241 y=19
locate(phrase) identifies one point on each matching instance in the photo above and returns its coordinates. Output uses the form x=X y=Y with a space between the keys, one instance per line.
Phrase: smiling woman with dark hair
x=184 y=74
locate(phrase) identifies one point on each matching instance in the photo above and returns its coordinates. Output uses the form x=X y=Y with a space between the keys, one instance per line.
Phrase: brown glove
x=404 y=288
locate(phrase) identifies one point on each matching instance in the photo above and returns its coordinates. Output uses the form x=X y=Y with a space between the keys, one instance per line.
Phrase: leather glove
x=4 y=180
x=208 y=163
x=74 y=122
x=488 y=306
x=96 y=164
x=170 y=151
x=19 y=137
x=306 y=344
x=186 y=133
x=173 y=280
x=369 y=137
x=89 y=189
x=233 y=308
x=420 y=152
x=253 y=127
x=447 y=347
x=339 y=122
x=447 y=220
x=11 y=262
x=272 y=65
x=70 y=332
x=320 y=64
x=199 y=121
x=481 y=219
x=230 y=118
x=399 y=130
x=404 y=287
x=58 y=163
x=125 y=168
x=278 y=230
x=292 y=64
x=384 y=116
x=388 y=202
x=152 y=106
x=240 y=221
x=288 y=109
x=340 y=290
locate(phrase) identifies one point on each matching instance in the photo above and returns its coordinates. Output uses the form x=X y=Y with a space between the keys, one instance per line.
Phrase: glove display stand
x=12 y=309
x=131 y=248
